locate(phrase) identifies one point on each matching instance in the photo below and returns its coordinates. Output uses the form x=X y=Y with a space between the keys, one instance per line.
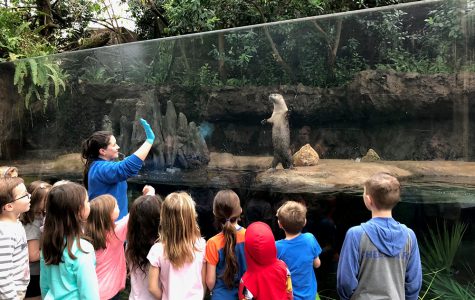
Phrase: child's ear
x=7 y=207
x=305 y=223
x=102 y=151
x=368 y=200
x=280 y=226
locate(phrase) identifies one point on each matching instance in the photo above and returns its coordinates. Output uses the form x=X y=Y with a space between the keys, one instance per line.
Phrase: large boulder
x=305 y=157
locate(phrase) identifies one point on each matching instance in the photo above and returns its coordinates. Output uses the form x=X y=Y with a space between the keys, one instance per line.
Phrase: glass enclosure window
x=389 y=89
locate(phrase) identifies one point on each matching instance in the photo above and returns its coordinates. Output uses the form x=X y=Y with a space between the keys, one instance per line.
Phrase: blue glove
x=148 y=131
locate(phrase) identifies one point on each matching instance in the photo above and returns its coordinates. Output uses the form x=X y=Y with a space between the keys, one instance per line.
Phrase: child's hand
x=148 y=190
x=148 y=131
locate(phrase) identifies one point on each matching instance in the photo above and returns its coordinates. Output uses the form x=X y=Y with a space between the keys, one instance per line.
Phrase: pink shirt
x=179 y=284
x=110 y=262
x=139 y=286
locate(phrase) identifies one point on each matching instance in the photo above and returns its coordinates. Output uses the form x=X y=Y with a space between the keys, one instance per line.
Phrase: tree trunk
x=332 y=44
x=278 y=57
x=45 y=18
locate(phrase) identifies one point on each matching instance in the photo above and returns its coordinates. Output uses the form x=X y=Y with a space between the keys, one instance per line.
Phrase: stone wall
x=402 y=116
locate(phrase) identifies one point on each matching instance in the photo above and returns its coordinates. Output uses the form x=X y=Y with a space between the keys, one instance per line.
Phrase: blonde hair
x=99 y=223
x=7 y=172
x=292 y=216
x=178 y=228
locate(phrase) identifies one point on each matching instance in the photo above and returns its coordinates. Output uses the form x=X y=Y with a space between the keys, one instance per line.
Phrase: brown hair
x=226 y=210
x=63 y=222
x=90 y=150
x=99 y=223
x=384 y=189
x=7 y=185
x=38 y=190
x=179 y=229
x=292 y=216
x=142 y=232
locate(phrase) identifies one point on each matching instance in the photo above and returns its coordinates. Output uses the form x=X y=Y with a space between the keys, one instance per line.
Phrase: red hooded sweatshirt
x=266 y=277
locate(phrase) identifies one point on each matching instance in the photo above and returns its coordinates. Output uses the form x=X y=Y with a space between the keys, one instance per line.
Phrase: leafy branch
x=39 y=81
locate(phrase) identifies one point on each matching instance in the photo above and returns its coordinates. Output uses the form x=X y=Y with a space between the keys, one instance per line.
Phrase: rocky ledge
x=227 y=170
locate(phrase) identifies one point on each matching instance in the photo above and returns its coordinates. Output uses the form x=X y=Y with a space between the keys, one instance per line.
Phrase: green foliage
x=349 y=62
x=189 y=16
x=207 y=77
x=445 y=36
x=439 y=47
x=17 y=40
x=403 y=61
x=240 y=51
x=36 y=80
x=440 y=246
x=388 y=29
x=162 y=62
x=437 y=256
x=153 y=67
x=39 y=80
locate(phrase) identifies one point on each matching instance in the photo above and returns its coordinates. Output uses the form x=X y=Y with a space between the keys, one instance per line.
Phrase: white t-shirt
x=184 y=283
x=33 y=232
x=139 y=286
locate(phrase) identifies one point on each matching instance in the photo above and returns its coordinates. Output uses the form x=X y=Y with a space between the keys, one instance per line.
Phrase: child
x=67 y=261
x=108 y=240
x=102 y=175
x=300 y=251
x=177 y=265
x=32 y=222
x=8 y=172
x=14 y=269
x=380 y=258
x=225 y=258
x=266 y=277
x=144 y=219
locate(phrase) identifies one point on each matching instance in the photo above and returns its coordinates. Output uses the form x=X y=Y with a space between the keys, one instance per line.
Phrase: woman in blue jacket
x=103 y=175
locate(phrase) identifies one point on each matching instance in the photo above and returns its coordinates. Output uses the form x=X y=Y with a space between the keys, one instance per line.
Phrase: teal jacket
x=73 y=278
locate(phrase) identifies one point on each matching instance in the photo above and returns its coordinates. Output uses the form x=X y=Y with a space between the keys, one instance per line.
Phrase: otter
x=280 y=132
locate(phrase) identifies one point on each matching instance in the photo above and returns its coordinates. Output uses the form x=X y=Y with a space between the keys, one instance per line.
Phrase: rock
x=370 y=156
x=169 y=134
x=138 y=134
x=222 y=161
x=125 y=133
x=106 y=123
x=68 y=163
x=329 y=175
x=306 y=156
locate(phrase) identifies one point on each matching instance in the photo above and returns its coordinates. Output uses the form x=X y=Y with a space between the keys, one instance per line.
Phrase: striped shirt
x=14 y=267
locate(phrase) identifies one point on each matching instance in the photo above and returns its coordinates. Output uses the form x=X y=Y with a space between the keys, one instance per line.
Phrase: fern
x=35 y=78
x=20 y=73
x=438 y=253
x=28 y=97
x=34 y=71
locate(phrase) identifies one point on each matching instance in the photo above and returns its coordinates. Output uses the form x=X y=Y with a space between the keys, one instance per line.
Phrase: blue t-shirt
x=299 y=253
x=215 y=256
x=110 y=177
